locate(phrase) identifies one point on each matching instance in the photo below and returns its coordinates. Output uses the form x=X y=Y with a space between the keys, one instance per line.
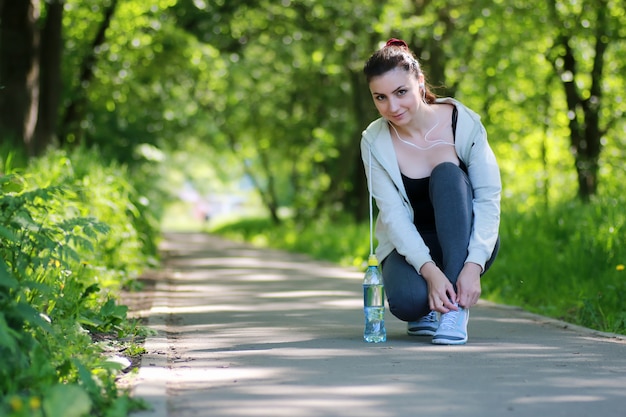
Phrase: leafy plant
x=60 y=270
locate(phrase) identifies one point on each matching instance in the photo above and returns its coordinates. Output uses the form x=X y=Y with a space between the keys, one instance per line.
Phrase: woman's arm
x=395 y=223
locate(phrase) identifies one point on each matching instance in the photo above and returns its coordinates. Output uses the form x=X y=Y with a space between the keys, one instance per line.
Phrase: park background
x=122 y=119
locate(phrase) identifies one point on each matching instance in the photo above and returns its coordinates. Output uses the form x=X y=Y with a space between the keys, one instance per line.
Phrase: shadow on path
x=254 y=332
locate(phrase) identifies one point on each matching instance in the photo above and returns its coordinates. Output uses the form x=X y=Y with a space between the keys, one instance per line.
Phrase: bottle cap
x=372 y=261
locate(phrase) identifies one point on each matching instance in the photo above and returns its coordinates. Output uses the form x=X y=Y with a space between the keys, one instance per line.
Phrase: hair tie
x=397 y=42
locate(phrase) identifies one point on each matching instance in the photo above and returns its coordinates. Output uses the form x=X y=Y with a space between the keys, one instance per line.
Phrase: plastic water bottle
x=374 y=303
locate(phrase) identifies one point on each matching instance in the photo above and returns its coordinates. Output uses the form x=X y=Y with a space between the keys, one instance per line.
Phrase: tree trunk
x=584 y=114
x=50 y=81
x=19 y=71
x=267 y=191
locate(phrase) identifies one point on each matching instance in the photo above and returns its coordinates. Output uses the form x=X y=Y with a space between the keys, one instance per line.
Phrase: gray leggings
x=451 y=195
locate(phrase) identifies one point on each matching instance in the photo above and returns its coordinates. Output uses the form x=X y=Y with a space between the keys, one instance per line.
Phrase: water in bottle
x=374 y=303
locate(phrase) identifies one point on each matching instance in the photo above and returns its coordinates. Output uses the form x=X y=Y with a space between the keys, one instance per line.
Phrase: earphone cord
x=433 y=143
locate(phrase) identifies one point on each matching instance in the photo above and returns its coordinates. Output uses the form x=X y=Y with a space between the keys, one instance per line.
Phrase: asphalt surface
x=253 y=332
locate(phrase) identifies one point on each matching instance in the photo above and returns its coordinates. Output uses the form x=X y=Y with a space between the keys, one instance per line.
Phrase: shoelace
x=449 y=319
x=431 y=317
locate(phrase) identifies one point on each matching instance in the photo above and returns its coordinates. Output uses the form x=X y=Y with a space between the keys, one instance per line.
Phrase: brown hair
x=395 y=54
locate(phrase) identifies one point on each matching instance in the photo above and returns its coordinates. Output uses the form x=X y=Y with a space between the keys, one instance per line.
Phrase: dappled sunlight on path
x=250 y=332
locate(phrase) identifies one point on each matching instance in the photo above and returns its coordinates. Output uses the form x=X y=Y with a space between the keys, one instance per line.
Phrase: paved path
x=250 y=332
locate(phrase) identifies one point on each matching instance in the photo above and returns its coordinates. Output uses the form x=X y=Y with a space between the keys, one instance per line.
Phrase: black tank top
x=417 y=191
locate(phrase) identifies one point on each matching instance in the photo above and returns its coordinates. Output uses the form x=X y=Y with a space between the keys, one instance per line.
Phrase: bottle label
x=373 y=295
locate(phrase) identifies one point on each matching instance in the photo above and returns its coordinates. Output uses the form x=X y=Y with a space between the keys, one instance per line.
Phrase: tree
x=585 y=29
x=50 y=86
x=19 y=71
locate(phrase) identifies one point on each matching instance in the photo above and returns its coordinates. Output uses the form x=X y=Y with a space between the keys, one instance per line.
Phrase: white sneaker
x=426 y=326
x=453 y=328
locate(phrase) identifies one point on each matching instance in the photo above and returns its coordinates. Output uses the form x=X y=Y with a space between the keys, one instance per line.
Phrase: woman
x=437 y=186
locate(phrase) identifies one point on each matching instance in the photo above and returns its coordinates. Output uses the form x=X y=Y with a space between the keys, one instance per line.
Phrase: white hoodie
x=394 y=226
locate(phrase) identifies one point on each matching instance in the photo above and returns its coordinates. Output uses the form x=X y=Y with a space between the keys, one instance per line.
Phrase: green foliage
x=302 y=76
x=105 y=192
x=143 y=87
x=56 y=403
x=275 y=90
x=276 y=87
x=69 y=242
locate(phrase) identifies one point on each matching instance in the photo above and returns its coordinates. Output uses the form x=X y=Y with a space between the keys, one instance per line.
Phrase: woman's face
x=396 y=95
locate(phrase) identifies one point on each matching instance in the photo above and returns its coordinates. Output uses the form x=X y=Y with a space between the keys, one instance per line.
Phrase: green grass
x=566 y=262
x=343 y=242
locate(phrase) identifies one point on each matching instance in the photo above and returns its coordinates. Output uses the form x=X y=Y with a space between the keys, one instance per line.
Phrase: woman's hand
x=440 y=290
x=468 y=285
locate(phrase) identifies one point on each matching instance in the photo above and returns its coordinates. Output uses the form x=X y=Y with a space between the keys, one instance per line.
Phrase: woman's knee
x=448 y=180
x=406 y=290
x=409 y=303
x=411 y=311
x=446 y=169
